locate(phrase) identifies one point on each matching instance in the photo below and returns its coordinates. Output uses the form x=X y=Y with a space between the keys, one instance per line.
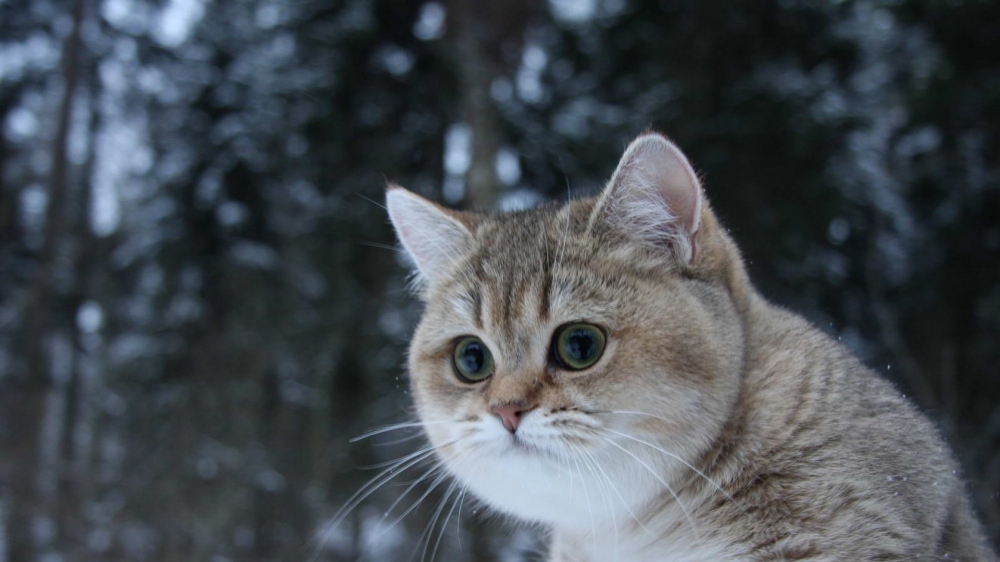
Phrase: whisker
x=545 y=246
x=398 y=441
x=375 y=483
x=590 y=507
x=444 y=526
x=673 y=456
x=384 y=464
x=380 y=246
x=437 y=481
x=625 y=503
x=366 y=490
x=394 y=427
x=604 y=491
x=633 y=413
x=661 y=481
x=372 y=201
x=433 y=522
x=458 y=520
x=617 y=493
x=380 y=480
x=563 y=240
x=435 y=470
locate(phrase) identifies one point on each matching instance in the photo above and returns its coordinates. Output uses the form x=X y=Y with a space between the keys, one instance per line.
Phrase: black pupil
x=579 y=345
x=473 y=358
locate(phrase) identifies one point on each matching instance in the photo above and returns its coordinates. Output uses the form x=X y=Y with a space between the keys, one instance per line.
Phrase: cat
x=605 y=368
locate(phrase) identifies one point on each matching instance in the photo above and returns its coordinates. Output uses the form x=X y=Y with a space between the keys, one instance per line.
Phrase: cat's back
x=833 y=458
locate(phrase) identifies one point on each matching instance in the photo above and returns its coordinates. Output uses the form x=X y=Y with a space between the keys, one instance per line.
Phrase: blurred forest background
x=198 y=308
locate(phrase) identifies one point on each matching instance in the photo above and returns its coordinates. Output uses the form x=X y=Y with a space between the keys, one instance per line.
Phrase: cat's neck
x=718 y=258
x=783 y=357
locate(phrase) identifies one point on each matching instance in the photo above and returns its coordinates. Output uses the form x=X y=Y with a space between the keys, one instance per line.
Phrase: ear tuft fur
x=433 y=236
x=654 y=196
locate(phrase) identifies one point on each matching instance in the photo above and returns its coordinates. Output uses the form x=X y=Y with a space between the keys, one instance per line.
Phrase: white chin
x=534 y=486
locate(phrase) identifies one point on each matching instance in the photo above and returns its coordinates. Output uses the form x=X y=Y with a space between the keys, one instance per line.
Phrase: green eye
x=472 y=359
x=578 y=346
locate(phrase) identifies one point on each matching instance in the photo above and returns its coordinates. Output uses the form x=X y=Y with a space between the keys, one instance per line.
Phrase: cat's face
x=564 y=358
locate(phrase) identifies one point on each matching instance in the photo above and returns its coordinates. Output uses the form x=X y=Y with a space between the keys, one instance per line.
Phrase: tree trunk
x=8 y=195
x=49 y=266
x=484 y=37
x=27 y=400
x=482 y=186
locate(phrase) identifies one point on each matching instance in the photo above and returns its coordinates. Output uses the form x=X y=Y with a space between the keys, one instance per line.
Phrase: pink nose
x=511 y=415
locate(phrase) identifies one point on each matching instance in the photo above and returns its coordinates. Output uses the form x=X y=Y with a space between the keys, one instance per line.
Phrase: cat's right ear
x=433 y=236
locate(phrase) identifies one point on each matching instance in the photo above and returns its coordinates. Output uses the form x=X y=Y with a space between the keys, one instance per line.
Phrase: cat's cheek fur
x=684 y=365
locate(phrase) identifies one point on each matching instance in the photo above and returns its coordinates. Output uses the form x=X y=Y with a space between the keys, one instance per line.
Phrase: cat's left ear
x=654 y=196
x=434 y=237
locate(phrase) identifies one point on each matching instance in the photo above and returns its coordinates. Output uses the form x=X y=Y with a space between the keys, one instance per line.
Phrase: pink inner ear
x=679 y=184
x=405 y=234
x=684 y=203
x=655 y=195
x=654 y=164
x=431 y=236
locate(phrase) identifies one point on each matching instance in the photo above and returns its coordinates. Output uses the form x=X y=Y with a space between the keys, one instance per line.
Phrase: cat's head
x=568 y=346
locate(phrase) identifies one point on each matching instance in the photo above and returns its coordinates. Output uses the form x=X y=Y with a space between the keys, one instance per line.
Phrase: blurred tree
x=43 y=393
x=950 y=154
x=199 y=217
x=485 y=42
